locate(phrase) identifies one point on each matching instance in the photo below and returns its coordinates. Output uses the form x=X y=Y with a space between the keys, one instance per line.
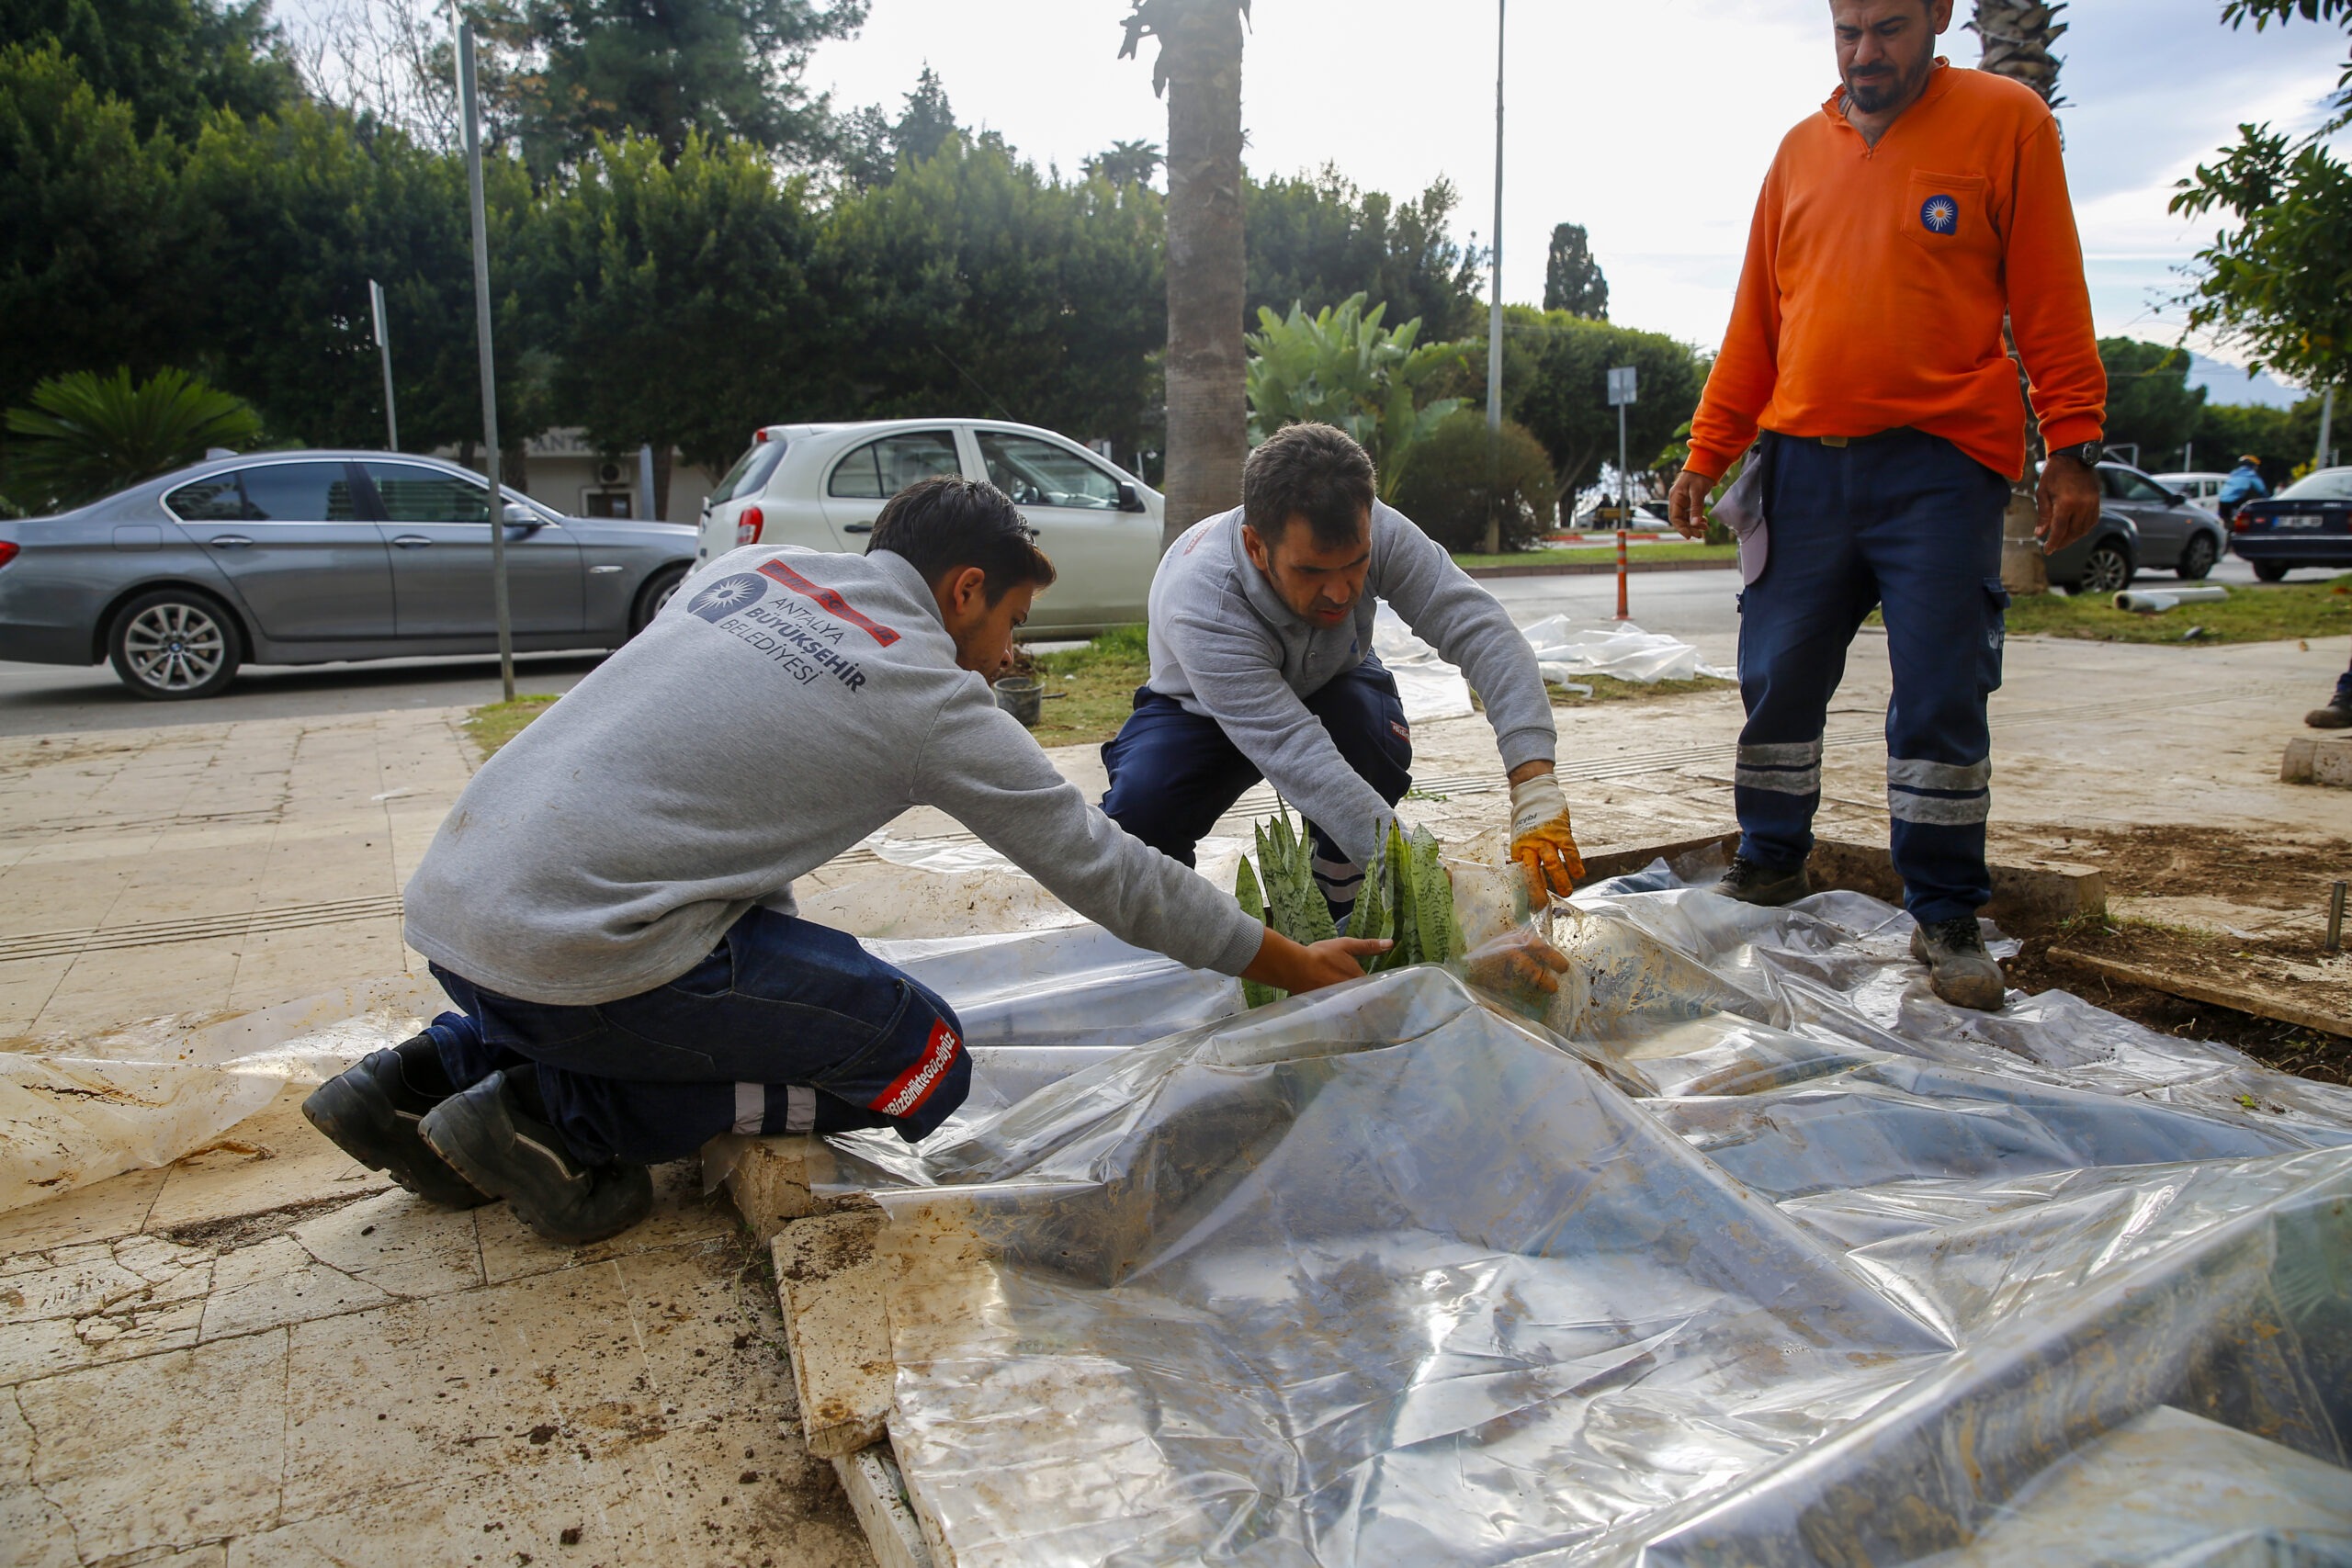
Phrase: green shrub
x=1445 y=490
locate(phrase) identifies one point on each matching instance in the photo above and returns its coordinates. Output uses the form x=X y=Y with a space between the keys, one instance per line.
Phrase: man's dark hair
x=945 y=523
x=1317 y=471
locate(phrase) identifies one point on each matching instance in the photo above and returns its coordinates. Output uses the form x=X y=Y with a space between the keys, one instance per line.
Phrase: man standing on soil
x=1896 y=228
x=1263 y=666
x=609 y=902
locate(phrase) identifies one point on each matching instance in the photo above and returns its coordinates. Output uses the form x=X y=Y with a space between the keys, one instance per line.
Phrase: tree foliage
x=575 y=70
x=1445 y=491
x=1314 y=240
x=84 y=436
x=172 y=62
x=2149 y=400
x=1342 y=366
x=2279 y=282
x=1555 y=382
x=1572 y=279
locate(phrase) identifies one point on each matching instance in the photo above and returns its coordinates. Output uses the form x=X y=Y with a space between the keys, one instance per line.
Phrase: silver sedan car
x=308 y=558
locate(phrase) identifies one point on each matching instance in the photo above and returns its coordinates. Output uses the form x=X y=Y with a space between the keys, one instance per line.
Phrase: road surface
x=40 y=699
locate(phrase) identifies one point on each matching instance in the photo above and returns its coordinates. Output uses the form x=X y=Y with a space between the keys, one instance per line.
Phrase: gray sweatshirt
x=783 y=705
x=1226 y=647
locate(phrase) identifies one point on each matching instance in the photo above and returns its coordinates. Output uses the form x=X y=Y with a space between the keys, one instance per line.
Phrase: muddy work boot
x=1751 y=882
x=493 y=1138
x=1958 y=969
x=2336 y=715
x=372 y=1112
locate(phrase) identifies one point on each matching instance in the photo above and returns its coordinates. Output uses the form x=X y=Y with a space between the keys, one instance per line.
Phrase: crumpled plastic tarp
x=1742 y=1250
x=1621 y=650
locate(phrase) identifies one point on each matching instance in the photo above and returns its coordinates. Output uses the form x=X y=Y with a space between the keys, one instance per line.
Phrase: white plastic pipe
x=2156 y=604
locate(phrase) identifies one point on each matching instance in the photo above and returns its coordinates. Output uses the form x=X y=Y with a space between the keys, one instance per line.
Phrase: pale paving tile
x=681 y=1214
x=110 y=986
x=398 y=1243
x=274 y=1284
x=275 y=966
x=37 y=1531
x=117 y=1206
x=26 y=987
x=271 y=1160
x=211 y=1419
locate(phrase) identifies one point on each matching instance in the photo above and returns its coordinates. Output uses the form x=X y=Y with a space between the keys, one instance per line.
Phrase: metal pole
x=645 y=482
x=1624 y=516
x=2335 y=919
x=1495 y=315
x=468 y=110
x=2326 y=427
x=384 y=344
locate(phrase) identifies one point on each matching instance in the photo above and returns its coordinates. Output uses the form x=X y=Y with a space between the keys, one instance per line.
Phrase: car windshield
x=2328 y=484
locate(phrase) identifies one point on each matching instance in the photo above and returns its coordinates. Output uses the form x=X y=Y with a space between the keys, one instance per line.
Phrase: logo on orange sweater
x=1939 y=215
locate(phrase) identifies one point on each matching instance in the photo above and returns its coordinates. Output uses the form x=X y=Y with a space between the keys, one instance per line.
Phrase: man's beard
x=1881 y=93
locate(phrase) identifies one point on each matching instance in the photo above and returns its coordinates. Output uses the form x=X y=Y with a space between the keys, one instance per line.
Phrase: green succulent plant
x=1406 y=898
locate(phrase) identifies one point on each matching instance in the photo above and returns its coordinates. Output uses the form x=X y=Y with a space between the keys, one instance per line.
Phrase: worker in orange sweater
x=1895 y=229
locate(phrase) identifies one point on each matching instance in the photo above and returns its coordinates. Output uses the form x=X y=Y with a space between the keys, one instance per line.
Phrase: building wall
x=567 y=474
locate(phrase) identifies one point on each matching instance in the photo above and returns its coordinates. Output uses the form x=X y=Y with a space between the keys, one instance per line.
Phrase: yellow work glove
x=1541 y=838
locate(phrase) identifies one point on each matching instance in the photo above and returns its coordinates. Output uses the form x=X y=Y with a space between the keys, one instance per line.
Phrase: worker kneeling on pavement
x=1897 y=225
x=1263 y=666
x=609 y=903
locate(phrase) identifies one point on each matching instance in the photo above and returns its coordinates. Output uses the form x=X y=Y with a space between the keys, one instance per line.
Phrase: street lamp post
x=1494 y=318
x=384 y=346
x=468 y=112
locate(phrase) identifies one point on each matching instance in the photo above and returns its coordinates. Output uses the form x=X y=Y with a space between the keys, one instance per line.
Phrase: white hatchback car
x=822 y=485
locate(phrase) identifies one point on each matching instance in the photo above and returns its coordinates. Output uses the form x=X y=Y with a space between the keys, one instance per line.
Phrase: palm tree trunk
x=2017 y=36
x=1208 y=406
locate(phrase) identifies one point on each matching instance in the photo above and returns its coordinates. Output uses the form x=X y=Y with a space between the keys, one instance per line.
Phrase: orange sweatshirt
x=1876 y=278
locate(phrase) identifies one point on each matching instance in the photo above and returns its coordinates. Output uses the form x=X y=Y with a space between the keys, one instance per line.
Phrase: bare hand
x=2066 y=503
x=1686 y=504
x=1288 y=966
x=1520 y=965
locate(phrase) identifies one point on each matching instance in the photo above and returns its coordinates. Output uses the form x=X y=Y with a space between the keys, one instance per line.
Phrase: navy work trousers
x=1906 y=523
x=1173 y=774
x=785 y=1027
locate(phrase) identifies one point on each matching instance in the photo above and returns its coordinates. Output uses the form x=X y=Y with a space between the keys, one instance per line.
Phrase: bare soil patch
x=2262 y=873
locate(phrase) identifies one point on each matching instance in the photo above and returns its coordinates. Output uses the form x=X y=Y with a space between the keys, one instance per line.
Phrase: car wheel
x=2269 y=572
x=658 y=590
x=2197 y=557
x=175 y=644
x=2107 y=569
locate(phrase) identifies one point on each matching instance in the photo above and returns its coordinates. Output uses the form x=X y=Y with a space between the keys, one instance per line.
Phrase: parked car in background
x=309 y=557
x=821 y=486
x=2307 y=523
x=2174 y=533
x=2202 y=486
x=2102 y=561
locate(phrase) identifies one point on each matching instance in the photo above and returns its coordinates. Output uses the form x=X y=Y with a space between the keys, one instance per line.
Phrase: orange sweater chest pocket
x=1949 y=216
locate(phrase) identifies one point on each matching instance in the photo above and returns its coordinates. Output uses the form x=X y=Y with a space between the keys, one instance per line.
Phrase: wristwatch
x=2088 y=453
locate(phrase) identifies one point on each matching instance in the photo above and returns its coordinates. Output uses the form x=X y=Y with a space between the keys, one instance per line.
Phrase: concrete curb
x=1601 y=569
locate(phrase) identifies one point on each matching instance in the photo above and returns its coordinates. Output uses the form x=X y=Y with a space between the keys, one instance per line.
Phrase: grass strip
x=492 y=725
x=2260 y=613
x=1090 y=691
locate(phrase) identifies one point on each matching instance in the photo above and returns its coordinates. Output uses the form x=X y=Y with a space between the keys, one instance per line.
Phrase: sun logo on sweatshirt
x=1939 y=215
x=726 y=596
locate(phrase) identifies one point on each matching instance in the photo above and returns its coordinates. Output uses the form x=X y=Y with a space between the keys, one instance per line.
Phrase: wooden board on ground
x=2244 y=994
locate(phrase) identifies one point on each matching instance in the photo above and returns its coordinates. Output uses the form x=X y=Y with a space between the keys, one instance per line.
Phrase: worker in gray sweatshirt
x=1263 y=666
x=609 y=902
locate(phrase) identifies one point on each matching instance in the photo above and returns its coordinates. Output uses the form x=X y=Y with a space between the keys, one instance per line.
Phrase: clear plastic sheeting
x=1747 y=1250
x=154 y=1093
x=1621 y=650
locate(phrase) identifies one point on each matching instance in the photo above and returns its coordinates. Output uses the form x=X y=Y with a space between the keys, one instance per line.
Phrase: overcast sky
x=1650 y=123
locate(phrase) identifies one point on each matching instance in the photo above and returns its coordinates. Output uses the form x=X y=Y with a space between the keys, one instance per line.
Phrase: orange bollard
x=1623 y=613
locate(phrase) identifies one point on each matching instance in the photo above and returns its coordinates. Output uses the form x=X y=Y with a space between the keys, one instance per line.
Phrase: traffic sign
x=1621 y=387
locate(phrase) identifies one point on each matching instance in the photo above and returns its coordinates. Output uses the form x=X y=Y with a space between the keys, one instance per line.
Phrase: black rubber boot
x=1753 y=883
x=2336 y=715
x=371 y=1112
x=1958 y=969
x=495 y=1142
